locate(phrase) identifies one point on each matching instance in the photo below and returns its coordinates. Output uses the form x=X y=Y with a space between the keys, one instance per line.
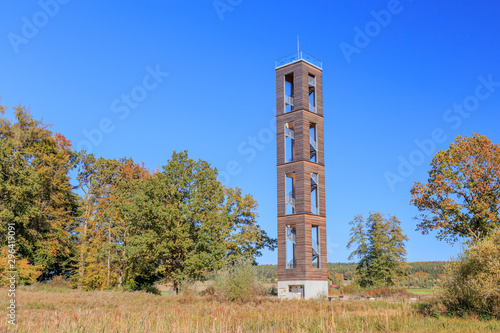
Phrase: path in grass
x=421 y=291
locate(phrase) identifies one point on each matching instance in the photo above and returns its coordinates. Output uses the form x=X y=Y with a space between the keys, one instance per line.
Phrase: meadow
x=65 y=310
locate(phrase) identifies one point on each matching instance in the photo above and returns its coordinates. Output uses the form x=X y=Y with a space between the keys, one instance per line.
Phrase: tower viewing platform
x=298 y=57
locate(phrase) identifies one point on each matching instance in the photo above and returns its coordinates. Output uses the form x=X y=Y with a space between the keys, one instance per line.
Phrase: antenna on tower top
x=298 y=45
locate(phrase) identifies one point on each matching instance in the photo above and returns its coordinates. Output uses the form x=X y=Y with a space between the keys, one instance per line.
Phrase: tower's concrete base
x=302 y=289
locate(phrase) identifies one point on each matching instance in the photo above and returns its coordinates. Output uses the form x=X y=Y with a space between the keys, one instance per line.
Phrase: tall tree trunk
x=81 y=264
x=109 y=252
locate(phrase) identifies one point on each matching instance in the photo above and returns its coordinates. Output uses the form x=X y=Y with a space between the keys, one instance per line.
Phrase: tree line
x=121 y=225
x=339 y=272
x=433 y=268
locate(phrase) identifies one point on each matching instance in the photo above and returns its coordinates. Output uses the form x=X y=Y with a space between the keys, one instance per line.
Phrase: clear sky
x=401 y=79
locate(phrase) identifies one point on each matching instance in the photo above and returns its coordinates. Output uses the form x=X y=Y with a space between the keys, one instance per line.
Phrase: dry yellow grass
x=75 y=311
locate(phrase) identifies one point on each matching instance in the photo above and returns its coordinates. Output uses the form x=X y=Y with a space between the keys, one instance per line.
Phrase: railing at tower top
x=297 y=57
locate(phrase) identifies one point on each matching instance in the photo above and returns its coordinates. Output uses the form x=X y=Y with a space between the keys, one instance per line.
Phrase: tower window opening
x=291 y=242
x=315 y=246
x=313 y=143
x=289 y=92
x=314 y=193
x=290 y=193
x=312 y=93
x=289 y=141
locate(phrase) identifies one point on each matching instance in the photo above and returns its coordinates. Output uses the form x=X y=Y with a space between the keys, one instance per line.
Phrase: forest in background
x=419 y=274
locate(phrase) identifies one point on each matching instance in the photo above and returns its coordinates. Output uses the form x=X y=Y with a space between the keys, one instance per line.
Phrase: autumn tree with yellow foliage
x=462 y=195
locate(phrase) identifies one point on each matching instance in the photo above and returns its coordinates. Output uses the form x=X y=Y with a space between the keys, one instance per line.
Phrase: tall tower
x=302 y=262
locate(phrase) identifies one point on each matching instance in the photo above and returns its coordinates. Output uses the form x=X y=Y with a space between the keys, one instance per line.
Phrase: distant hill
x=433 y=268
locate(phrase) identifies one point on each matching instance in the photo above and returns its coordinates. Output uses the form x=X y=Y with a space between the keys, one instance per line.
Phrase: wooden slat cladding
x=303 y=219
x=304 y=269
x=301 y=120
x=301 y=71
x=302 y=172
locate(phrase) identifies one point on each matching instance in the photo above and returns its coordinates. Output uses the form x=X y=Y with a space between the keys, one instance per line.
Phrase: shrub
x=59 y=281
x=432 y=307
x=187 y=291
x=385 y=291
x=58 y=284
x=151 y=289
x=208 y=291
x=273 y=291
x=349 y=289
x=237 y=282
x=187 y=286
x=472 y=282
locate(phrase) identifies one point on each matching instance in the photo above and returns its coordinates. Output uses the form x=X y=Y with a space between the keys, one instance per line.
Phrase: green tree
x=36 y=194
x=379 y=245
x=462 y=196
x=194 y=224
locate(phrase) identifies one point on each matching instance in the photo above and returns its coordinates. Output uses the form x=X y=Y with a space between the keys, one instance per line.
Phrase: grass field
x=421 y=291
x=101 y=311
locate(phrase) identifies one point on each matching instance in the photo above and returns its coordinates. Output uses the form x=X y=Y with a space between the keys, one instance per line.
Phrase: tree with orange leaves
x=462 y=196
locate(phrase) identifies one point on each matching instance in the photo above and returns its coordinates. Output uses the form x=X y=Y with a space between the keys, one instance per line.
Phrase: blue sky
x=401 y=79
